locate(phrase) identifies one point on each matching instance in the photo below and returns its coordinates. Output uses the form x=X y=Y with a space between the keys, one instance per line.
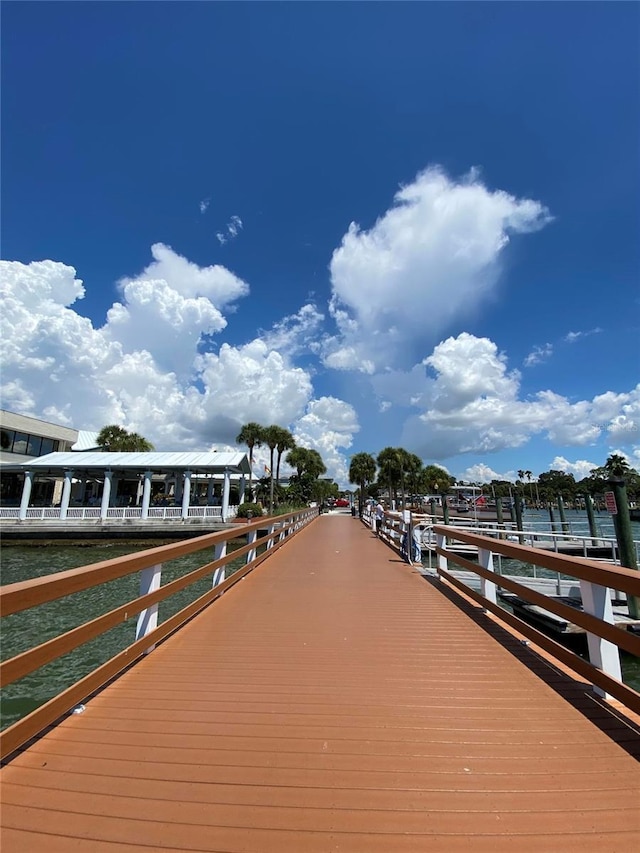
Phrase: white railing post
x=148 y=619
x=487 y=588
x=605 y=655
x=252 y=535
x=270 y=531
x=442 y=562
x=219 y=551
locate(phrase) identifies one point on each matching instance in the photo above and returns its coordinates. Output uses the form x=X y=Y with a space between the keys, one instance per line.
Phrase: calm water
x=22 y=631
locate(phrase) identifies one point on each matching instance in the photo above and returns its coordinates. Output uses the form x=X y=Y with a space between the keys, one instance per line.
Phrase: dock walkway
x=333 y=700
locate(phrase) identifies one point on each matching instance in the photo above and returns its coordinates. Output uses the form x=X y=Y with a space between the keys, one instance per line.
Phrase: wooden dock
x=334 y=700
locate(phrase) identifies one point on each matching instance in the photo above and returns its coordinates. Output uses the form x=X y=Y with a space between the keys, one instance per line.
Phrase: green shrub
x=246 y=508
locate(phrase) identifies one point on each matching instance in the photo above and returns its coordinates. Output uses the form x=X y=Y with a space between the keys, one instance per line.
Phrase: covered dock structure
x=143 y=484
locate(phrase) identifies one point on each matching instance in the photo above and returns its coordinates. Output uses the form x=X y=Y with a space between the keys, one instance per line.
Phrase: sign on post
x=610 y=502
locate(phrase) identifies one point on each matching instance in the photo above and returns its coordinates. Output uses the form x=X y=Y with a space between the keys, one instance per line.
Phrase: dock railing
x=32 y=593
x=597 y=580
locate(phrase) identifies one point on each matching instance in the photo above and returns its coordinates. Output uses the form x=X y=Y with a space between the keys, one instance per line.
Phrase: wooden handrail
x=629 y=642
x=26 y=594
x=607 y=577
x=613 y=577
x=32 y=659
x=20 y=596
x=594 y=573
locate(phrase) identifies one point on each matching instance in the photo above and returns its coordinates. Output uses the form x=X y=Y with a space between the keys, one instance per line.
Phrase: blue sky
x=407 y=224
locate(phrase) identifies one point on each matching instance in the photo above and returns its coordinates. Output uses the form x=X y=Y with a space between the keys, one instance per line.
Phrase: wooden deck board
x=333 y=700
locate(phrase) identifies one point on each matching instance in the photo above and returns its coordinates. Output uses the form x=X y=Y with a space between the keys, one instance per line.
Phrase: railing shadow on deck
x=611 y=720
x=597 y=582
x=28 y=594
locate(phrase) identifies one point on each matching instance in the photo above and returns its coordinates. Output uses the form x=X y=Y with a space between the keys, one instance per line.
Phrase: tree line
x=393 y=469
x=399 y=472
x=304 y=486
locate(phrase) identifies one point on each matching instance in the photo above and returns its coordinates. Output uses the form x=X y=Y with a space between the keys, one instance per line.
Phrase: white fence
x=93 y=514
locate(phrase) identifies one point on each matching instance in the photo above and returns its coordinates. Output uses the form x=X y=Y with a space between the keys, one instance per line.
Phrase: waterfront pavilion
x=101 y=485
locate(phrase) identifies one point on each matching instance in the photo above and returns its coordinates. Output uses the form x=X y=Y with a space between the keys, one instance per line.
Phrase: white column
x=242 y=488
x=186 y=494
x=106 y=494
x=26 y=494
x=66 y=494
x=115 y=485
x=146 y=495
x=225 y=494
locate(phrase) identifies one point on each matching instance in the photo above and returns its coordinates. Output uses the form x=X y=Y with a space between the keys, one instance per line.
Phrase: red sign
x=610 y=502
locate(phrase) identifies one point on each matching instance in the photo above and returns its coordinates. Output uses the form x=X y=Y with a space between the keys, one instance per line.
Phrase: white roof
x=211 y=463
x=86 y=440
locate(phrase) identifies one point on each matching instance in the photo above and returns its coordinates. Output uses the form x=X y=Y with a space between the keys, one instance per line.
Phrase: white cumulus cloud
x=580 y=469
x=170 y=306
x=143 y=369
x=467 y=401
x=434 y=255
x=328 y=426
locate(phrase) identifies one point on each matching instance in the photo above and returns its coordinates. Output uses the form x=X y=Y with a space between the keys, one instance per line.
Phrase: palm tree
x=270 y=436
x=617 y=466
x=413 y=470
x=362 y=471
x=520 y=481
x=390 y=465
x=251 y=434
x=309 y=466
x=314 y=467
x=285 y=442
x=297 y=458
x=528 y=475
x=116 y=439
x=436 y=479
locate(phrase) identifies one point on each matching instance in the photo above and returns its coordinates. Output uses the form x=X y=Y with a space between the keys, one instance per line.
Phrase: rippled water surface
x=22 y=631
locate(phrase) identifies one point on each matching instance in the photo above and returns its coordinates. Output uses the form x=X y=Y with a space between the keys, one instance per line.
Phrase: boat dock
x=334 y=699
